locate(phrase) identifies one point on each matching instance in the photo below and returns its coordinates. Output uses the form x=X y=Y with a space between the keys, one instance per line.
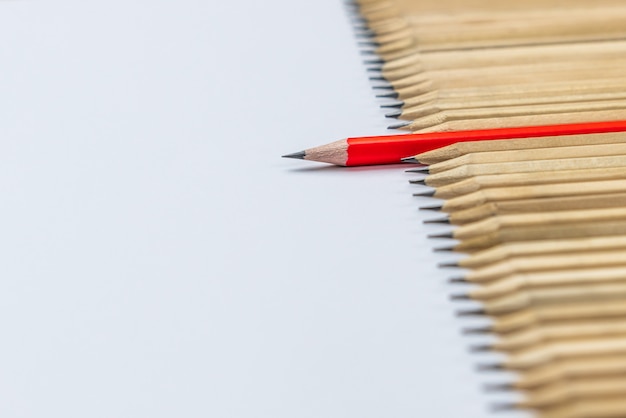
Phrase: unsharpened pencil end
x=298 y=155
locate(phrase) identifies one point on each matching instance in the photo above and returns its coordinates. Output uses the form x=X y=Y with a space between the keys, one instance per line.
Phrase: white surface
x=160 y=260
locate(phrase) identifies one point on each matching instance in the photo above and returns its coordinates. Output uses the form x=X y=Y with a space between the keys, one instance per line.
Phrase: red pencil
x=390 y=149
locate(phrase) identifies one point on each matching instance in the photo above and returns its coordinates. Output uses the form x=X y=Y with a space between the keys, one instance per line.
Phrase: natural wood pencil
x=555 y=351
x=557 y=331
x=515 y=283
x=471 y=170
x=534 y=154
x=497 y=194
x=443 y=122
x=479 y=58
x=510 y=250
x=477 y=183
x=539 y=205
x=563 y=370
x=563 y=393
x=540 y=231
x=570 y=219
x=460 y=149
x=544 y=263
x=533 y=317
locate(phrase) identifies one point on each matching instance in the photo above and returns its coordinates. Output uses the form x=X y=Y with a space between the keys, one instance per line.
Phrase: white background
x=159 y=259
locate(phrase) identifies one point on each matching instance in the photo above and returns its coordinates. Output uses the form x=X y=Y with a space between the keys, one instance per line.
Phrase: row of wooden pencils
x=456 y=66
x=543 y=224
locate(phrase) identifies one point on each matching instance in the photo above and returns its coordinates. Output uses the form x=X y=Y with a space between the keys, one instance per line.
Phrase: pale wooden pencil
x=515 y=283
x=557 y=331
x=525 y=318
x=471 y=170
x=461 y=149
x=529 y=249
x=535 y=154
x=497 y=194
x=563 y=370
x=510 y=207
x=477 y=183
x=544 y=263
x=547 y=231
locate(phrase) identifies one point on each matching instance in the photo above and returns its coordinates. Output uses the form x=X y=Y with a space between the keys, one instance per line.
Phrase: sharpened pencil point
x=457 y=280
x=420 y=181
x=426 y=192
x=436 y=208
x=397 y=104
x=399 y=125
x=395 y=114
x=437 y=221
x=480 y=348
x=479 y=330
x=378 y=78
x=443 y=249
x=390 y=95
x=299 y=155
x=449 y=264
x=374 y=62
x=383 y=87
x=489 y=367
x=441 y=235
x=460 y=296
x=472 y=312
x=368 y=43
x=499 y=387
x=414 y=160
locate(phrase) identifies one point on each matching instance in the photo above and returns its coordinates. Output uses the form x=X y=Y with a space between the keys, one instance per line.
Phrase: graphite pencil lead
x=460 y=296
x=443 y=249
x=390 y=95
x=420 y=181
x=299 y=155
x=374 y=69
x=368 y=43
x=395 y=114
x=375 y=62
x=480 y=348
x=425 y=192
x=477 y=330
x=499 y=387
x=489 y=367
x=414 y=160
x=441 y=235
x=399 y=125
x=367 y=52
x=437 y=221
x=378 y=78
x=449 y=264
x=382 y=87
x=438 y=207
x=471 y=312
x=457 y=279
x=397 y=104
